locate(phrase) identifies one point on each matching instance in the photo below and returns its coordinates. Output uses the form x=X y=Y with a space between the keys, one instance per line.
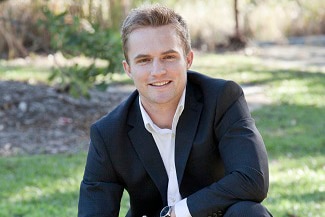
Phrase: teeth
x=160 y=83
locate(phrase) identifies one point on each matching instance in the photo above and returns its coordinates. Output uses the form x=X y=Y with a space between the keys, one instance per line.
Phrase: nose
x=158 y=67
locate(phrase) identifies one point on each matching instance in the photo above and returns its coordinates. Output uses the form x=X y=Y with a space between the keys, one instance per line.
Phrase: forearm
x=246 y=172
x=235 y=187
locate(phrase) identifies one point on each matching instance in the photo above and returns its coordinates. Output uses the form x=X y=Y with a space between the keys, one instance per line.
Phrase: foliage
x=74 y=36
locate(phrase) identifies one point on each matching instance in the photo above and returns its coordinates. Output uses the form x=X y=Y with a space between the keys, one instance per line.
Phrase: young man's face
x=157 y=65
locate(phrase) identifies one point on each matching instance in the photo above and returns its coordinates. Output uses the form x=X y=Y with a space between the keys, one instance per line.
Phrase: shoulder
x=117 y=118
x=213 y=86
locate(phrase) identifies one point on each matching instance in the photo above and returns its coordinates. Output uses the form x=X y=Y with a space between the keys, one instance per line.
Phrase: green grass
x=33 y=186
x=292 y=127
x=294 y=136
x=297 y=185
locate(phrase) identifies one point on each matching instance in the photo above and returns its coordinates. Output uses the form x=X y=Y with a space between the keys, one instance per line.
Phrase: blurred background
x=60 y=70
x=214 y=24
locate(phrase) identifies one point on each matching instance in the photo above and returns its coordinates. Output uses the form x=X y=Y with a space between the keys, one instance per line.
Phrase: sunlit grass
x=33 y=74
x=297 y=186
x=28 y=74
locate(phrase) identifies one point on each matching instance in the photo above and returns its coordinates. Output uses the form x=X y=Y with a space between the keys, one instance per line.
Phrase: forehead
x=148 y=40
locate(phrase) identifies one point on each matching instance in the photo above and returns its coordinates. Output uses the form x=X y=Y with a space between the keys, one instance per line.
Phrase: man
x=182 y=144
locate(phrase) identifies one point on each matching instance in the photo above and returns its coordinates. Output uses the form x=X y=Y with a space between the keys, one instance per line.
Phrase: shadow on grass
x=314 y=78
x=247 y=73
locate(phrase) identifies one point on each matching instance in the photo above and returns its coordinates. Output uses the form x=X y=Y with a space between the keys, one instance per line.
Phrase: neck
x=162 y=116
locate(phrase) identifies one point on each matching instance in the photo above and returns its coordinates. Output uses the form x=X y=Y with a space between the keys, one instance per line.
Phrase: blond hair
x=154 y=16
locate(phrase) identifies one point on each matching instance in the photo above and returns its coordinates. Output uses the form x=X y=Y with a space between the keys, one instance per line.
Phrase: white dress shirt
x=165 y=141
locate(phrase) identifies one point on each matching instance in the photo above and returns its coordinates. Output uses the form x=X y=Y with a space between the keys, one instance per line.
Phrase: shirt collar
x=152 y=127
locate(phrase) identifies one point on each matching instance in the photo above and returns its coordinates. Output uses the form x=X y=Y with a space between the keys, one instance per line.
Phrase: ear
x=189 y=59
x=127 y=68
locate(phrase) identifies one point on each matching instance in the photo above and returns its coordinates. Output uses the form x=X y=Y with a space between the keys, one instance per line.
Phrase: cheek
x=178 y=68
x=138 y=76
x=180 y=64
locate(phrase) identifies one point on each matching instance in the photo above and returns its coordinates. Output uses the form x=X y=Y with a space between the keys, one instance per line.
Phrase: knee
x=247 y=209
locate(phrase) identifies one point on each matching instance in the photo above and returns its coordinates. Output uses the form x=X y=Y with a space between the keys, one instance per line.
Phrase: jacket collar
x=187 y=129
x=147 y=150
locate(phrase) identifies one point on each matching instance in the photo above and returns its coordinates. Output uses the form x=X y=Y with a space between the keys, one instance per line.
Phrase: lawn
x=292 y=127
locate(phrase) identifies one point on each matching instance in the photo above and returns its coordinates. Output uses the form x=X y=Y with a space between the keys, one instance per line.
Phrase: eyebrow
x=169 y=51
x=139 y=56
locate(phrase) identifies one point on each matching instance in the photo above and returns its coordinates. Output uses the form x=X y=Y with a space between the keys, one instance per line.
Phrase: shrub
x=74 y=36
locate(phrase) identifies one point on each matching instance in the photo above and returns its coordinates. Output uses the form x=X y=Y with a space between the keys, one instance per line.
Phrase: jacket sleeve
x=100 y=192
x=243 y=153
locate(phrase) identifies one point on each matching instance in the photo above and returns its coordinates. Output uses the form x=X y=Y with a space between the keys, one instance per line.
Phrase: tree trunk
x=236 y=18
x=237 y=41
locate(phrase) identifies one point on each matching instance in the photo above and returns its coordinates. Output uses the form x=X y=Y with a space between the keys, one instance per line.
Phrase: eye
x=170 y=57
x=143 y=60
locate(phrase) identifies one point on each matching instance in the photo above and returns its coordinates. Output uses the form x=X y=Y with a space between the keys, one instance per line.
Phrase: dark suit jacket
x=220 y=156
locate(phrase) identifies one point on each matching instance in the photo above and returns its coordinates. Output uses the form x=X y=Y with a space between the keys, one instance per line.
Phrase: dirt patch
x=36 y=119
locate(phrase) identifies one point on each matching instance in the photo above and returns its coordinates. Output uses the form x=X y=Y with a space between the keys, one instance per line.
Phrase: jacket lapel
x=147 y=151
x=186 y=131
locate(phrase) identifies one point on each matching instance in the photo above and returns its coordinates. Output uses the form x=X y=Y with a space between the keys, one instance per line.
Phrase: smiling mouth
x=160 y=84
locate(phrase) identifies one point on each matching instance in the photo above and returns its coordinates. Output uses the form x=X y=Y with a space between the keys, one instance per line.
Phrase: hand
x=173 y=214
